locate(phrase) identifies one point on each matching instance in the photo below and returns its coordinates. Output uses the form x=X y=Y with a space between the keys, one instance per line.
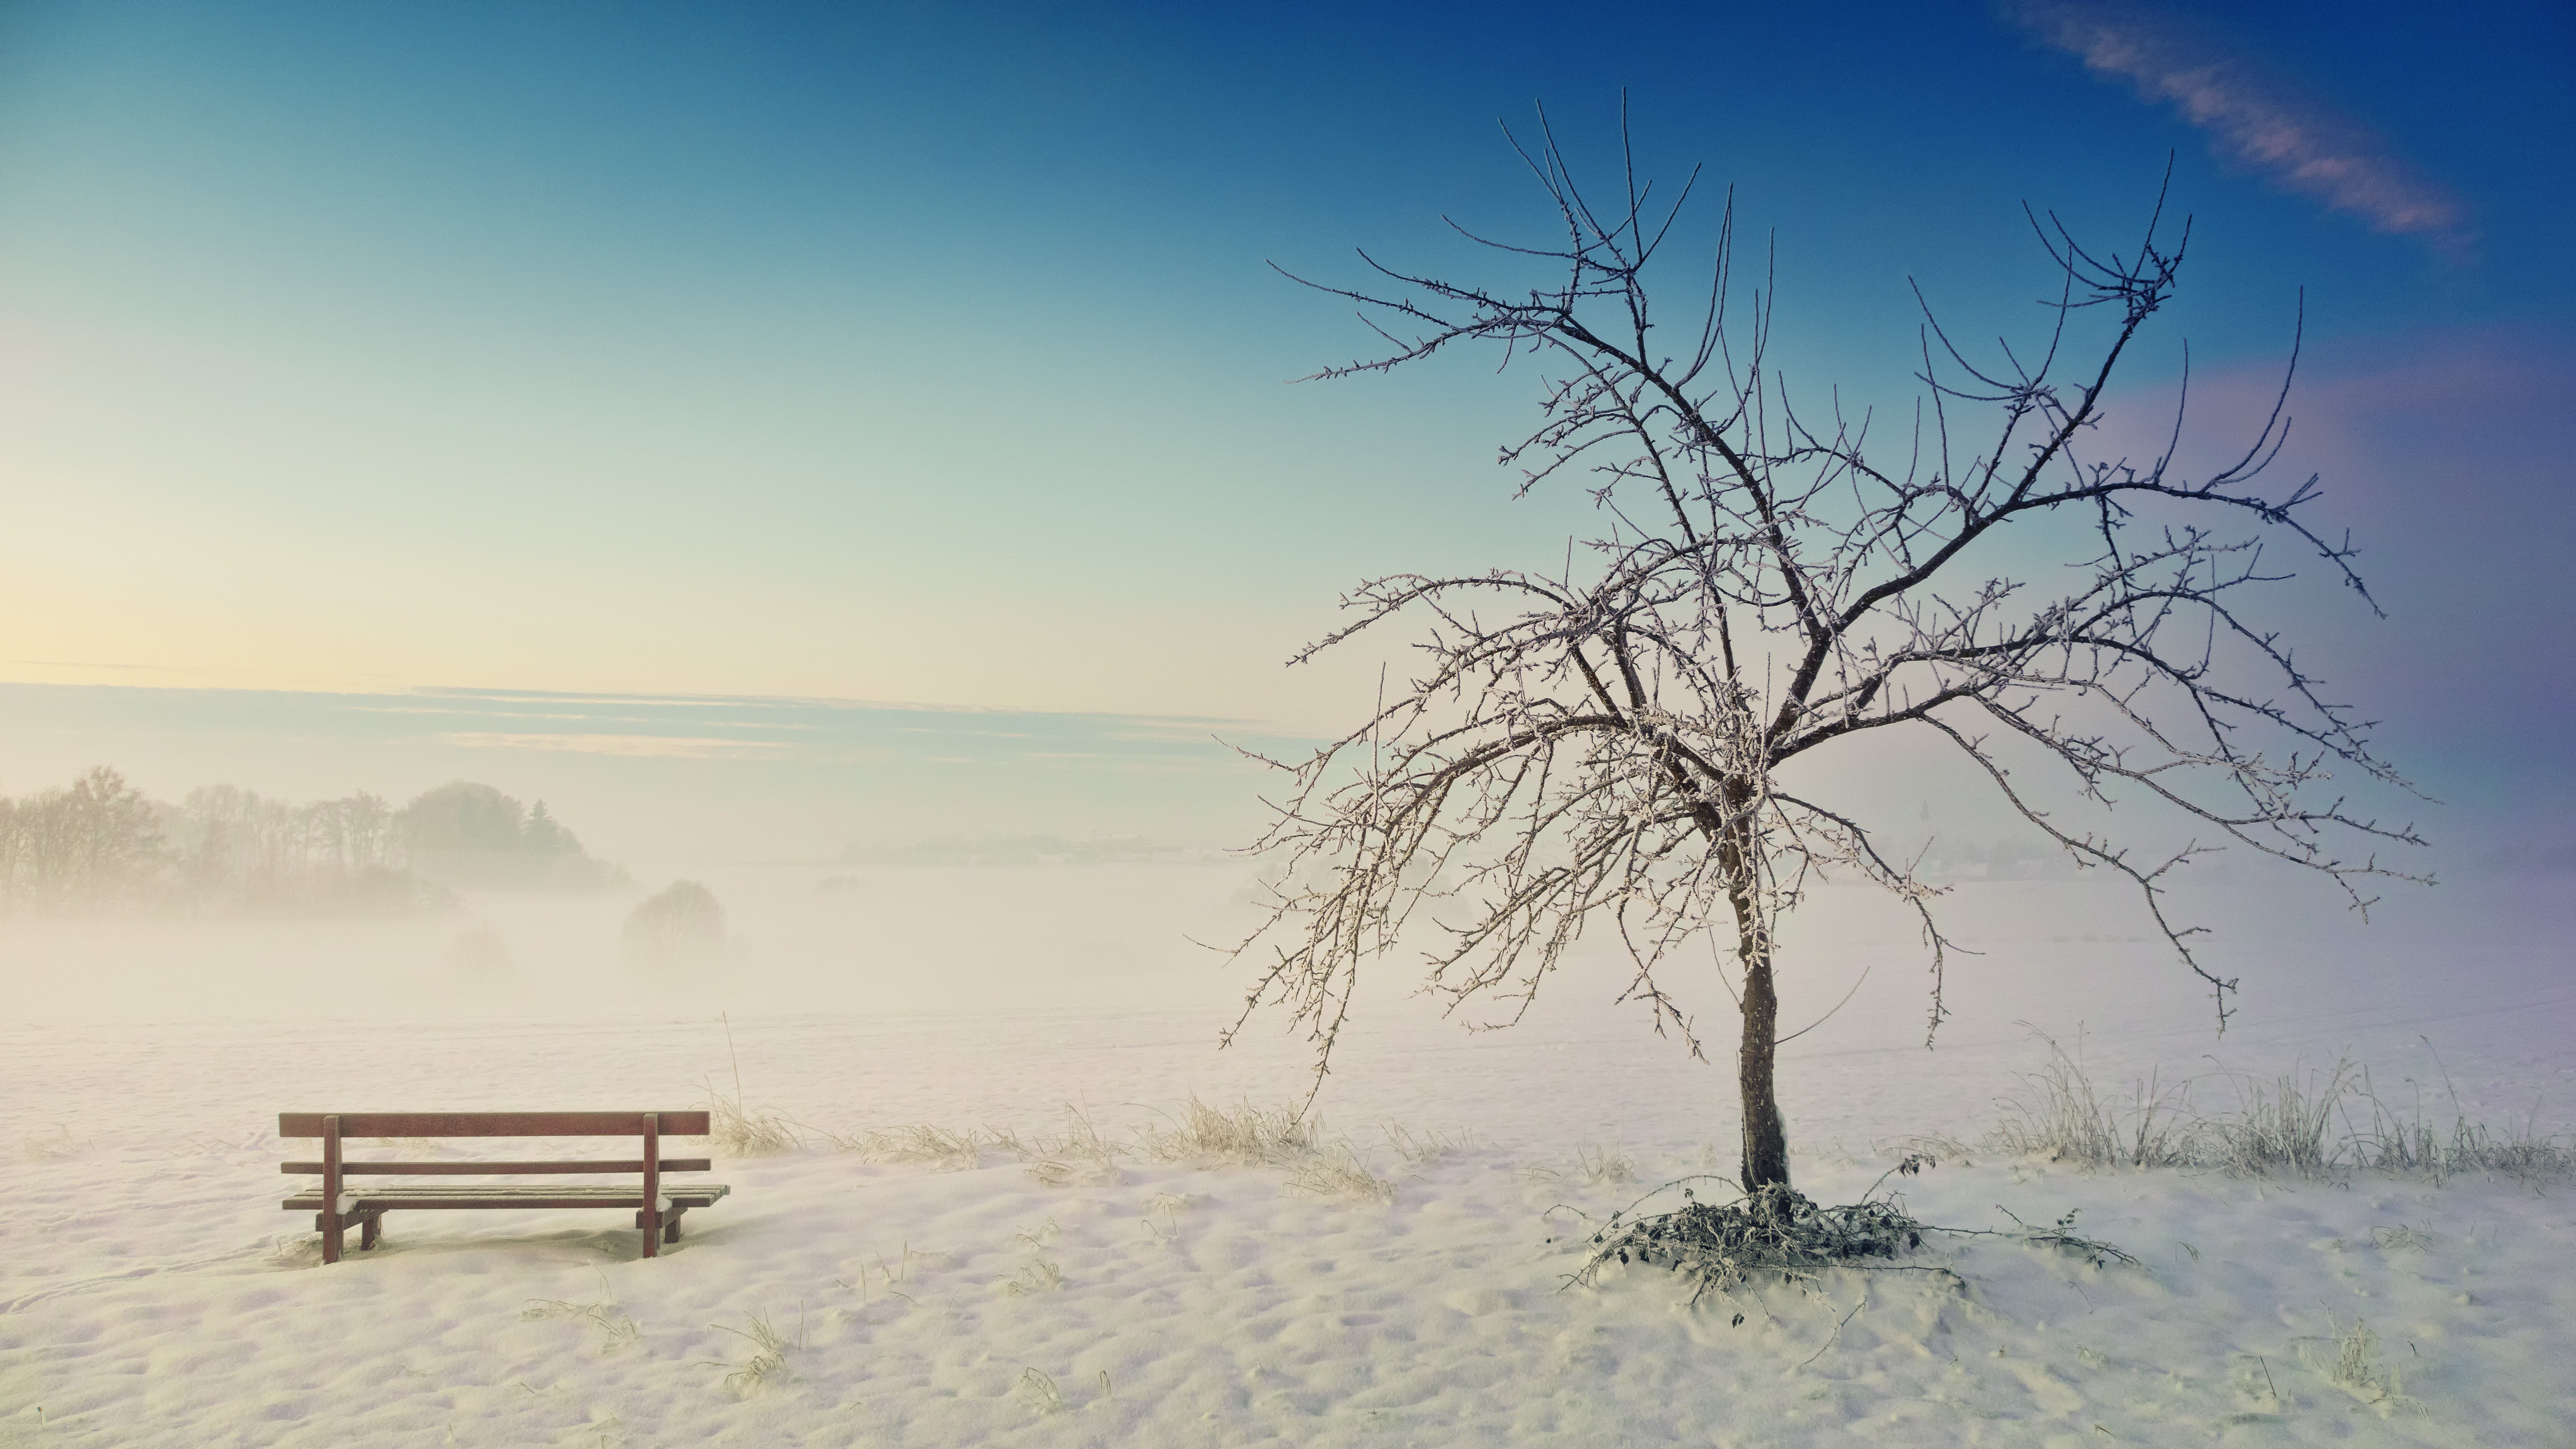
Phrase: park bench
x=337 y=1203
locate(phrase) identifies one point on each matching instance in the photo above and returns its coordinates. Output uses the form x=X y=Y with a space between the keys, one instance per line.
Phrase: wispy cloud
x=2252 y=117
x=656 y=746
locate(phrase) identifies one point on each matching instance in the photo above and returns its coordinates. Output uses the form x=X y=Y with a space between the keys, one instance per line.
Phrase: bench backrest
x=334 y=1128
x=492 y=1124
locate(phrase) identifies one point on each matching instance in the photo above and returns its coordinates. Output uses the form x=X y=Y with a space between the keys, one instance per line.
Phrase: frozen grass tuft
x=947 y=1149
x=2350 y=1357
x=2287 y=1126
x=1340 y=1174
x=739 y=1131
x=2283 y=1129
x=1594 y=1166
x=1091 y=1172
x=1163 y=1213
x=736 y=1131
x=1077 y=1157
x=616 y=1329
x=1039 y=1276
x=1036 y=1389
x=1422 y=1149
x=2400 y=1239
x=768 y=1361
x=2061 y=1118
x=1604 y=1166
x=2410 y=1146
x=1248 y=1136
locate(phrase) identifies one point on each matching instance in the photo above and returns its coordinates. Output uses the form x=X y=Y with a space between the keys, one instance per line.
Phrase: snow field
x=152 y=1293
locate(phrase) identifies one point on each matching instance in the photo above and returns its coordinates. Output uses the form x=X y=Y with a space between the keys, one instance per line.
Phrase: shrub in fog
x=680 y=925
x=479 y=952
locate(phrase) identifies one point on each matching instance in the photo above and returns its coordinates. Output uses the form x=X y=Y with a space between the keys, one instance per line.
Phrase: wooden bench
x=658 y=1205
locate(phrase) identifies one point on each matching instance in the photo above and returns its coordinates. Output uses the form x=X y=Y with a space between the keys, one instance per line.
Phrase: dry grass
x=616 y=1329
x=738 y=1131
x=2284 y=1126
x=1423 y=1149
x=945 y=1148
x=2059 y=1116
x=1595 y=1166
x=1163 y=1213
x=2350 y=1357
x=884 y=1275
x=2410 y=1146
x=1040 y=1275
x=1245 y=1137
x=1604 y=1166
x=1340 y=1174
x=768 y=1361
x=1079 y=1156
x=1036 y=1389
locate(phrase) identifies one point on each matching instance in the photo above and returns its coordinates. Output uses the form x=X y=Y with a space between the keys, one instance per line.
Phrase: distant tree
x=680 y=925
x=463 y=816
x=95 y=845
x=544 y=835
x=472 y=834
x=1605 y=743
x=238 y=851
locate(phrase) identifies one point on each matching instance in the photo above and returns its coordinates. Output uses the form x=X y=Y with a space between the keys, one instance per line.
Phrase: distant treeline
x=1029 y=850
x=100 y=846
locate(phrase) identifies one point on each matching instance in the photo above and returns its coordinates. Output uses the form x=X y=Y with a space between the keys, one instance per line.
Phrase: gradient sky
x=930 y=354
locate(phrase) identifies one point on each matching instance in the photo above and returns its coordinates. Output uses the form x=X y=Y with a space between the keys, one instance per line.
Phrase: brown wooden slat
x=426 y=1198
x=492 y=1124
x=467 y=1169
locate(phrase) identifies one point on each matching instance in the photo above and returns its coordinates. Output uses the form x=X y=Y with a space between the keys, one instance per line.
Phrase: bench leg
x=669 y=1232
x=370 y=1226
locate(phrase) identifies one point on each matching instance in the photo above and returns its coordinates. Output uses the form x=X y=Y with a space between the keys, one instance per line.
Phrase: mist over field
x=839 y=898
x=765 y=562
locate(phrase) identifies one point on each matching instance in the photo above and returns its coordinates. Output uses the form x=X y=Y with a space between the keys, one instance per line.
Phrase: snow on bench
x=337 y=1203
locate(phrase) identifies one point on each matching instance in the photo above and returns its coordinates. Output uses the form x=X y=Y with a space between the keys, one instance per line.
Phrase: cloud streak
x=2252 y=118
x=639 y=746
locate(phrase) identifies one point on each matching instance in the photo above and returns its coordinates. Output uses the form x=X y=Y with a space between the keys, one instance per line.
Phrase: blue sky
x=932 y=354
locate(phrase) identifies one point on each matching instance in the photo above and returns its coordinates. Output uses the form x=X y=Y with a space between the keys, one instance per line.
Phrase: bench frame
x=658 y=1211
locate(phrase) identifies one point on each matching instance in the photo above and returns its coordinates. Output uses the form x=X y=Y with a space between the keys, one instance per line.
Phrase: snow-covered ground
x=151 y=1291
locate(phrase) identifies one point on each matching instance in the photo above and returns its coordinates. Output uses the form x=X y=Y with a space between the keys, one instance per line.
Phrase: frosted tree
x=1604 y=745
x=95 y=845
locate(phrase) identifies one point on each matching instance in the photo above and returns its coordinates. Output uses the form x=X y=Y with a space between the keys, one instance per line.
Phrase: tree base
x=1777 y=1230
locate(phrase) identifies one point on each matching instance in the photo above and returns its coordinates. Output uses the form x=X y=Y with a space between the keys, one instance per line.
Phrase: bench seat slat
x=465 y=1169
x=702 y=1194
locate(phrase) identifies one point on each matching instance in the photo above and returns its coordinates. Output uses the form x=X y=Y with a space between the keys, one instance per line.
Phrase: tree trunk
x=1766 y=1136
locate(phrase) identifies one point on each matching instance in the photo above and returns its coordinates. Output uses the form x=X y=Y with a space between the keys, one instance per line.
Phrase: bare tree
x=92 y=846
x=1605 y=743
